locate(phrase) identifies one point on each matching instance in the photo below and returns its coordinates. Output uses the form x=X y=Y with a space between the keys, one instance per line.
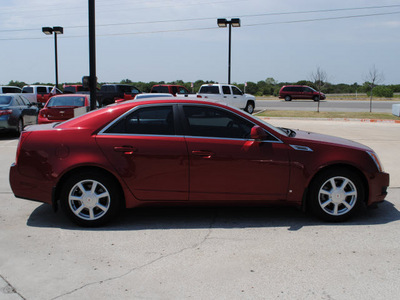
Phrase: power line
x=211 y=28
x=240 y=16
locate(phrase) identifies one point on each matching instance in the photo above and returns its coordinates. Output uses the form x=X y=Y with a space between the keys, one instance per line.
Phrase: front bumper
x=378 y=188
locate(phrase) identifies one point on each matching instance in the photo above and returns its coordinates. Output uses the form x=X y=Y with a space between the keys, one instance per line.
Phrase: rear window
x=66 y=101
x=125 y=89
x=209 y=89
x=160 y=89
x=5 y=100
x=11 y=90
x=42 y=90
x=28 y=90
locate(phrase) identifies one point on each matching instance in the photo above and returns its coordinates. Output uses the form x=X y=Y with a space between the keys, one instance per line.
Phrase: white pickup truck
x=39 y=93
x=228 y=94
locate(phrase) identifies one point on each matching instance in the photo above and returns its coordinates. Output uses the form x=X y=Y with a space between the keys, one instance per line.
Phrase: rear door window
x=155 y=120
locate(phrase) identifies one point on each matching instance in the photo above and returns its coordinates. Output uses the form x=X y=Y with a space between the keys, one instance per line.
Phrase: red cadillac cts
x=189 y=152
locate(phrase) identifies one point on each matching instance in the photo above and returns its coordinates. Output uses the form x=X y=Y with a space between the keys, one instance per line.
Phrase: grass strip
x=326 y=115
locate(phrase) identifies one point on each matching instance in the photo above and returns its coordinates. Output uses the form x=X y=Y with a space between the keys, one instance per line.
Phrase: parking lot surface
x=207 y=253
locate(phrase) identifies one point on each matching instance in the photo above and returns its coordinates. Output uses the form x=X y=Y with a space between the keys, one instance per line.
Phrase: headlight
x=376 y=160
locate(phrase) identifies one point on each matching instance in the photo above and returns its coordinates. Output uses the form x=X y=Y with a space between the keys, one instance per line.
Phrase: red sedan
x=190 y=152
x=63 y=107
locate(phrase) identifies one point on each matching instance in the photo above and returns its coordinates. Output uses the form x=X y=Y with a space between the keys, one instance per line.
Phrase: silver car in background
x=16 y=112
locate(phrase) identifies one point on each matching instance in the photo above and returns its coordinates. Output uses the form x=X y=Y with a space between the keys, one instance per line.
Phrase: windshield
x=66 y=101
x=4 y=100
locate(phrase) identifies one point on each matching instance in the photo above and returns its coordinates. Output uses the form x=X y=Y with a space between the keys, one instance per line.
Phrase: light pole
x=235 y=22
x=56 y=30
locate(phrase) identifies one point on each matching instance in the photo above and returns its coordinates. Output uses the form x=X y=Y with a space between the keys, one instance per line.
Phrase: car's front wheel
x=316 y=98
x=288 y=98
x=90 y=199
x=336 y=194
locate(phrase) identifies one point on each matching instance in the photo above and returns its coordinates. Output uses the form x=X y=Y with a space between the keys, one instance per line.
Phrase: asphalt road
x=326 y=105
x=207 y=253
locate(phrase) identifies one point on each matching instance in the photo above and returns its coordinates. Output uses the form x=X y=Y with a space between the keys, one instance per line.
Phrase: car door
x=227 y=96
x=239 y=100
x=225 y=164
x=29 y=112
x=146 y=152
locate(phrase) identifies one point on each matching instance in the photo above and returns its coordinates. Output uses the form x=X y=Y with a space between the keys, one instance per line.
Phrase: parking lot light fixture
x=49 y=31
x=235 y=22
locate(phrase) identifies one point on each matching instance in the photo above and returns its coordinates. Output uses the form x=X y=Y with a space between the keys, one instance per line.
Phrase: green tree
x=17 y=83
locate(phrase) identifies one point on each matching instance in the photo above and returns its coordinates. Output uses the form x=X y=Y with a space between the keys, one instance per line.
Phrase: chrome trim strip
x=102 y=132
x=301 y=148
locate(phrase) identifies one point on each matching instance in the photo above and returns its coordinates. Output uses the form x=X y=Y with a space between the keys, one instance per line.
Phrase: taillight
x=5 y=112
x=42 y=113
x=22 y=138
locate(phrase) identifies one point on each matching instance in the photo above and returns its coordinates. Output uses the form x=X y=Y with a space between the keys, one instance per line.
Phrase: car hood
x=307 y=136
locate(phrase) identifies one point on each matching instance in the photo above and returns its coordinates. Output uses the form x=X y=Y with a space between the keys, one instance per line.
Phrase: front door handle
x=128 y=150
x=202 y=153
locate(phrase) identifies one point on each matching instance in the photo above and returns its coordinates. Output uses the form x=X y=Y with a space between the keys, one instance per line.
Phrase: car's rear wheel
x=249 y=107
x=90 y=199
x=20 y=126
x=288 y=98
x=336 y=194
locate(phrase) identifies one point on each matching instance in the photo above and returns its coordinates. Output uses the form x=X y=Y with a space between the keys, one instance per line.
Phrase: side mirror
x=257 y=133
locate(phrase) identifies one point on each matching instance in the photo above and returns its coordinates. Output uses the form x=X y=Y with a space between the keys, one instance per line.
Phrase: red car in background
x=63 y=107
x=190 y=152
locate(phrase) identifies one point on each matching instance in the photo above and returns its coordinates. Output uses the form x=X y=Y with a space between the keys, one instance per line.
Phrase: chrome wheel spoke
x=333 y=183
x=79 y=209
x=91 y=213
x=102 y=207
x=326 y=203
x=336 y=209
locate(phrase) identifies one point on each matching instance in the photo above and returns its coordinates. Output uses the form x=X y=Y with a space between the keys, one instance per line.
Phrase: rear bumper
x=29 y=188
x=378 y=188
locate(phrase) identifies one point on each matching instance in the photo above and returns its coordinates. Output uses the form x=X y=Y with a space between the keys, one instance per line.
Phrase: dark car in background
x=75 y=88
x=289 y=92
x=16 y=112
x=110 y=92
x=169 y=88
x=190 y=152
x=63 y=107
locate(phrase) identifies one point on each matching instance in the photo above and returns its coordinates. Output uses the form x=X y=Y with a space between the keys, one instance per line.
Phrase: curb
x=335 y=119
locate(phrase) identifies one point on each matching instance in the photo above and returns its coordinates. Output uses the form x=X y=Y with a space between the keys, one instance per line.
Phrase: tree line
x=267 y=87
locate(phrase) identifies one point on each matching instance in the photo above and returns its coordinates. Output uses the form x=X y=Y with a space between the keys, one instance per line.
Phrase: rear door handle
x=128 y=150
x=202 y=153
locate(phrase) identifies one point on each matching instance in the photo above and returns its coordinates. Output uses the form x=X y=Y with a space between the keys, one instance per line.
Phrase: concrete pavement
x=207 y=253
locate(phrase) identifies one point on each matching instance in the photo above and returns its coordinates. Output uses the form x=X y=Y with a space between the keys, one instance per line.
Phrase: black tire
x=20 y=126
x=249 y=107
x=288 y=98
x=336 y=194
x=90 y=199
x=316 y=98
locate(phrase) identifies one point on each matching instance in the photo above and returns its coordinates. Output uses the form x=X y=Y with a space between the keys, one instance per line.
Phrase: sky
x=167 y=40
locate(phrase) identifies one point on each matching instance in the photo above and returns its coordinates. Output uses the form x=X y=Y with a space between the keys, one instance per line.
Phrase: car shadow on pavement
x=213 y=217
x=8 y=136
